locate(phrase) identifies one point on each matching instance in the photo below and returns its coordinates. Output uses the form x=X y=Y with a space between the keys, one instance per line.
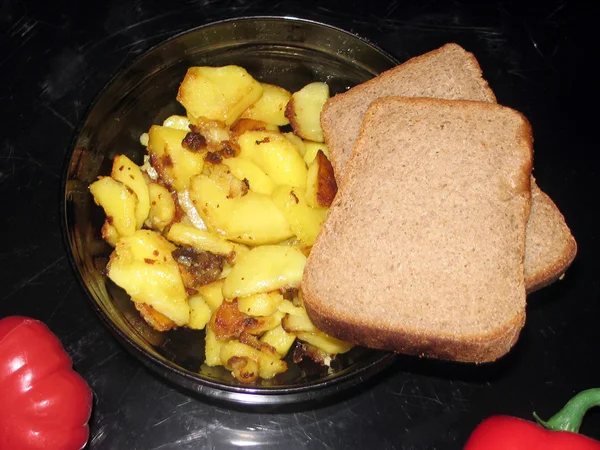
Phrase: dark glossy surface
x=538 y=58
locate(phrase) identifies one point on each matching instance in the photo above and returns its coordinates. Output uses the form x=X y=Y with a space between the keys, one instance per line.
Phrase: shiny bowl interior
x=288 y=52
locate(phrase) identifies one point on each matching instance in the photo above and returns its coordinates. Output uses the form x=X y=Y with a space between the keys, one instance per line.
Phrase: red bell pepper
x=44 y=404
x=558 y=433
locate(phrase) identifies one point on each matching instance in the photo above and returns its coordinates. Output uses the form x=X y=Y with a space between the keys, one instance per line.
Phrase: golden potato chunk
x=212 y=349
x=311 y=148
x=218 y=93
x=262 y=304
x=130 y=174
x=118 y=202
x=250 y=219
x=142 y=264
x=305 y=222
x=265 y=269
x=177 y=122
x=270 y=107
x=202 y=240
x=304 y=110
x=199 y=312
x=244 y=169
x=174 y=164
x=162 y=207
x=212 y=294
x=275 y=155
x=279 y=339
x=321 y=186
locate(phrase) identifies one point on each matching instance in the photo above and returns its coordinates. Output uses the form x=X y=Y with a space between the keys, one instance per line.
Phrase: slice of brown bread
x=422 y=251
x=550 y=248
x=449 y=72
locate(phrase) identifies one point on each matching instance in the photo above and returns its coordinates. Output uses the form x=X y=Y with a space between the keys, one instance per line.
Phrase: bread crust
x=475 y=349
x=546 y=232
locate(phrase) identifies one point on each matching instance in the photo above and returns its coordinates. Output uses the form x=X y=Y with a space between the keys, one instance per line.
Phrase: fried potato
x=218 y=93
x=203 y=240
x=251 y=219
x=304 y=110
x=275 y=155
x=268 y=365
x=265 y=269
x=244 y=169
x=142 y=265
x=118 y=202
x=305 y=222
x=200 y=312
x=129 y=173
x=212 y=294
x=262 y=304
x=279 y=339
x=177 y=122
x=328 y=344
x=162 y=207
x=212 y=348
x=270 y=107
x=321 y=186
x=311 y=148
x=174 y=164
x=297 y=141
x=244 y=124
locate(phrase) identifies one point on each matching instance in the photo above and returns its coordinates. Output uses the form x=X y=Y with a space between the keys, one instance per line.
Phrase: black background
x=540 y=58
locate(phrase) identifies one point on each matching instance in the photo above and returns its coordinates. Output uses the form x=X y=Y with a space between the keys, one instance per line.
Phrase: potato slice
x=275 y=155
x=199 y=312
x=304 y=110
x=268 y=365
x=250 y=219
x=279 y=339
x=175 y=164
x=177 y=122
x=311 y=148
x=142 y=265
x=218 y=93
x=321 y=187
x=265 y=269
x=109 y=234
x=212 y=294
x=243 y=125
x=162 y=207
x=297 y=141
x=212 y=349
x=118 y=202
x=129 y=173
x=270 y=107
x=263 y=304
x=305 y=222
x=328 y=344
x=203 y=240
x=244 y=169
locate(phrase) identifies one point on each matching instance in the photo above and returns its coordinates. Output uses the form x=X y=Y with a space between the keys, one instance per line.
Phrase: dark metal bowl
x=284 y=51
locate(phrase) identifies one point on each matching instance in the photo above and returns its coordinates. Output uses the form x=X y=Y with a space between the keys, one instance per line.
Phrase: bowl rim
x=252 y=395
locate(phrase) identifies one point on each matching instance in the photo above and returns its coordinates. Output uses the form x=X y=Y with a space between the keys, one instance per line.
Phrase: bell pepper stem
x=570 y=417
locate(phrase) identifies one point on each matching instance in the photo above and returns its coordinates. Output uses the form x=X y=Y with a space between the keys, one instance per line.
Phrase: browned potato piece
x=304 y=111
x=270 y=107
x=162 y=207
x=218 y=93
x=243 y=125
x=156 y=320
x=320 y=182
